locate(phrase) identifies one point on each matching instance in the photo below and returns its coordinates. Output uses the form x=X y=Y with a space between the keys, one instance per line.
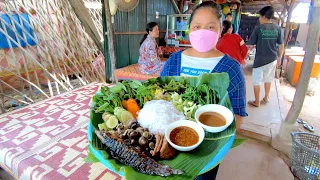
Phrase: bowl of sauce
x=184 y=135
x=214 y=118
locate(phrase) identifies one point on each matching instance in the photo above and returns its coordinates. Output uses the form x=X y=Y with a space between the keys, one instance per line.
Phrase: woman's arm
x=153 y=51
x=243 y=48
x=165 y=71
x=172 y=66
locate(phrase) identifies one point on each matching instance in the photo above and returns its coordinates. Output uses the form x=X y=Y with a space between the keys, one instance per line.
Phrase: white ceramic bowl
x=225 y=112
x=187 y=123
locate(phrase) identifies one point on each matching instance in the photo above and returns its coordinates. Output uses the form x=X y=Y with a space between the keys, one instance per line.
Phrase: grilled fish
x=128 y=156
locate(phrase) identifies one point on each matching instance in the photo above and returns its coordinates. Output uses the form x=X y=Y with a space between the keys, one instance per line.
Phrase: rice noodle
x=156 y=115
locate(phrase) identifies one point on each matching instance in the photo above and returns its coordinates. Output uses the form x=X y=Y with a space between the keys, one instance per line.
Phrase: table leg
x=210 y=175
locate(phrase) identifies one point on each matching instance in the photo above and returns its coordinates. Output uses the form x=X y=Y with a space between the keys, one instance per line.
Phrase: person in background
x=232 y=44
x=149 y=60
x=229 y=18
x=266 y=37
x=203 y=57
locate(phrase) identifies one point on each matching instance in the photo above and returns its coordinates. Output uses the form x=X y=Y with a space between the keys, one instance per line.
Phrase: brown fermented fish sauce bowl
x=184 y=135
x=214 y=118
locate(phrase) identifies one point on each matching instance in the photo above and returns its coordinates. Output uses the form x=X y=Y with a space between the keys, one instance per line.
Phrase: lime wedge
x=106 y=116
x=102 y=126
x=125 y=117
x=112 y=122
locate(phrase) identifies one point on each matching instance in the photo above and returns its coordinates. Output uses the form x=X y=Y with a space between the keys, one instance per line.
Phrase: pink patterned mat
x=48 y=140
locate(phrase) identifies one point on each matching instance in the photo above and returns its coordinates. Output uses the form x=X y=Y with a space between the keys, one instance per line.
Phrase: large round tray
x=212 y=164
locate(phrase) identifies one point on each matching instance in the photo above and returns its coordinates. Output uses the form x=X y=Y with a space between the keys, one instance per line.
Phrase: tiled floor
x=260 y=120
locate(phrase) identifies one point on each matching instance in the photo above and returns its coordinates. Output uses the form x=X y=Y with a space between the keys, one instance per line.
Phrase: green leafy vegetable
x=91 y=158
x=117 y=88
x=238 y=141
x=95 y=119
x=187 y=107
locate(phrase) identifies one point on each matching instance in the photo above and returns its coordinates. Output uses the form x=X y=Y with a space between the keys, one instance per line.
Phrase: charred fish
x=129 y=156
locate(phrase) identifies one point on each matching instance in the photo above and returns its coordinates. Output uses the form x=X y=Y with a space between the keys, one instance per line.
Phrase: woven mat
x=132 y=72
x=48 y=140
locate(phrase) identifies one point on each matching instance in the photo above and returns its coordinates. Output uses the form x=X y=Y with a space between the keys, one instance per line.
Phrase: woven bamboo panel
x=44 y=51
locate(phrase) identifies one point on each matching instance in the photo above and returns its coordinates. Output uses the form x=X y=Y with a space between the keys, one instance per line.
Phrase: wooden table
x=294 y=68
x=48 y=140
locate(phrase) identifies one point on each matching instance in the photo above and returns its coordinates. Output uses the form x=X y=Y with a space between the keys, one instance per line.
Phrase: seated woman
x=203 y=57
x=149 y=60
x=232 y=44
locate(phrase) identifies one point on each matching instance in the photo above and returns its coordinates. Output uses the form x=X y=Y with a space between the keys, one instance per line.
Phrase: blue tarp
x=3 y=39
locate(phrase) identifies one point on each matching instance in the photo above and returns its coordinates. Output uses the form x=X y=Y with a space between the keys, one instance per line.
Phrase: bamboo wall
x=48 y=52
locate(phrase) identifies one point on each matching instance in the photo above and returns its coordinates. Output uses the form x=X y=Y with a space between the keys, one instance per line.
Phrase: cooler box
x=294 y=68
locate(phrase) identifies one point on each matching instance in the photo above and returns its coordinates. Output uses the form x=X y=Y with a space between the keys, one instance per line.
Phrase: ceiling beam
x=84 y=16
x=276 y=12
x=284 y=3
x=176 y=6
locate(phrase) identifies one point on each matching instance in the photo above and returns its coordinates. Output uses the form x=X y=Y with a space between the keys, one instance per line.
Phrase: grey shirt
x=266 y=37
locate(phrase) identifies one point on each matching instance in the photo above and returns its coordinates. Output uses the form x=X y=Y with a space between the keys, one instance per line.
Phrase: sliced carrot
x=132 y=107
x=124 y=104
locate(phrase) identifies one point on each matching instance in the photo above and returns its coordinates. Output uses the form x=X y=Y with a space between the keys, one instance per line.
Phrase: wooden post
x=110 y=39
x=307 y=64
x=84 y=16
x=283 y=139
x=287 y=30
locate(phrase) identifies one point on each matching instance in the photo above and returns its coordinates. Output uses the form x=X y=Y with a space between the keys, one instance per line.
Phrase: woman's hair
x=225 y=26
x=149 y=28
x=216 y=10
x=267 y=12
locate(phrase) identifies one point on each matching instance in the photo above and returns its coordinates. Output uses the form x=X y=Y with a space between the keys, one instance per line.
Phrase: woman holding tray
x=203 y=57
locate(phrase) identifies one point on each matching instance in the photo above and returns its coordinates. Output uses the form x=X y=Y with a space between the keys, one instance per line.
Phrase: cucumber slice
x=112 y=122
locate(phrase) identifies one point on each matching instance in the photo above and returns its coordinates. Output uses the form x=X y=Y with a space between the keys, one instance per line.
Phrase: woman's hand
x=279 y=63
x=244 y=64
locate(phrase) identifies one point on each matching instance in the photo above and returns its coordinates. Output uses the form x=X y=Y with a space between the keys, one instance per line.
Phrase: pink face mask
x=203 y=40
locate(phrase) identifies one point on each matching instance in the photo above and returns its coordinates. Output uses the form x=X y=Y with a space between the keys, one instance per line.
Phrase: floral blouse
x=149 y=60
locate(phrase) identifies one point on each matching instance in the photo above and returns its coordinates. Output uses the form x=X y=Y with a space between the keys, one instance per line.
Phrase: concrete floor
x=253 y=160
x=310 y=110
x=261 y=120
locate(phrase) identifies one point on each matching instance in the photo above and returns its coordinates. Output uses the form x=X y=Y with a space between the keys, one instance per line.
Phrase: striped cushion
x=132 y=72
